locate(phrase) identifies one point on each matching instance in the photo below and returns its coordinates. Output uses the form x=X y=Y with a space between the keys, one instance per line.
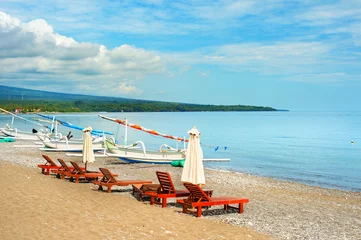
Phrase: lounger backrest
x=77 y=168
x=198 y=195
x=166 y=182
x=49 y=160
x=63 y=164
x=108 y=177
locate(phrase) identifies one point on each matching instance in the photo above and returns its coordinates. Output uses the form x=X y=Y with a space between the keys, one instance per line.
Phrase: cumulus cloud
x=33 y=50
x=126 y=88
x=280 y=58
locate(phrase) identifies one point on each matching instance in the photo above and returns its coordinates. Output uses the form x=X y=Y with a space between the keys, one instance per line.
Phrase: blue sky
x=296 y=55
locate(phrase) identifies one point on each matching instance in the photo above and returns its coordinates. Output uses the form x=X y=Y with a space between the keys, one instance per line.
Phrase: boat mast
x=12 y=122
x=126 y=133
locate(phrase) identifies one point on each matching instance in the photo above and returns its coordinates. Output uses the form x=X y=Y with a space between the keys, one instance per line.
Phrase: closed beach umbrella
x=88 y=154
x=193 y=171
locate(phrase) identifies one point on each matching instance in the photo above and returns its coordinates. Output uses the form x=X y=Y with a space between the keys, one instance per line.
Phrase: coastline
x=289 y=180
x=280 y=209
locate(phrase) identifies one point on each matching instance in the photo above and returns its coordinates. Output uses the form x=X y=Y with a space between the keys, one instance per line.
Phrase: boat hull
x=135 y=160
x=70 y=146
x=21 y=135
x=141 y=156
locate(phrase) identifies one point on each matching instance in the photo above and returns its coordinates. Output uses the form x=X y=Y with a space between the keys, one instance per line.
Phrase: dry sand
x=35 y=206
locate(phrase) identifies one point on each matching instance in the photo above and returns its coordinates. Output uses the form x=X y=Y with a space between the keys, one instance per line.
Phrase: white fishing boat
x=65 y=145
x=18 y=134
x=138 y=153
x=10 y=131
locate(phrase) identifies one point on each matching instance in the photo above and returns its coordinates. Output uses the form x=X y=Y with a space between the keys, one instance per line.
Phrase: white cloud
x=279 y=58
x=126 y=88
x=353 y=29
x=324 y=77
x=220 y=10
x=135 y=58
x=34 y=50
x=8 y=23
x=330 y=13
x=38 y=26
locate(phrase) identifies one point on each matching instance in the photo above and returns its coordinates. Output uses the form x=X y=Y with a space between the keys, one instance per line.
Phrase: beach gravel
x=280 y=209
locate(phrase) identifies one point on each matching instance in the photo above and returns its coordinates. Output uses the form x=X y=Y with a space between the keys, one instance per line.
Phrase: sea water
x=316 y=148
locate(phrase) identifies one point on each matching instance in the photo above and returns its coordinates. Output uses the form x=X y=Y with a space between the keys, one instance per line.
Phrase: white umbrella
x=88 y=154
x=193 y=171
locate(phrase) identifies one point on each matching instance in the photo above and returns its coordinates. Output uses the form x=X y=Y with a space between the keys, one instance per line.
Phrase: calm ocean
x=316 y=148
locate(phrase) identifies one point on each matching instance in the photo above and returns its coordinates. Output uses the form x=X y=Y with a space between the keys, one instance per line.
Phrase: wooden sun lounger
x=109 y=181
x=79 y=173
x=143 y=190
x=199 y=199
x=167 y=190
x=48 y=166
x=63 y=170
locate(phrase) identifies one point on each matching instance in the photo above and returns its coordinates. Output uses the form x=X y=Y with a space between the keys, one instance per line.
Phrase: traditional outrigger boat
x=18 y=134
x=137 y=151
x=22 y=135
x=65 y=144
x=164 y=155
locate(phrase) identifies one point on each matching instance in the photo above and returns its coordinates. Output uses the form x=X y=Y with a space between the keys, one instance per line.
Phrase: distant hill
x=35 y=100
x=13 y=93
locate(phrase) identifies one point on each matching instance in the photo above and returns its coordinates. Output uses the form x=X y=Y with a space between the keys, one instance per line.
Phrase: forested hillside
x=33 y=100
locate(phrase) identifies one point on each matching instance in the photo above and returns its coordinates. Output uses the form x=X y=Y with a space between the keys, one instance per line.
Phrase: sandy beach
x=35 y=206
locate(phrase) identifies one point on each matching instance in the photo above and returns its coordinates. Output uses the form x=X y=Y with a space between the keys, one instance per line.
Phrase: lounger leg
x=47 y=171
x=226 y=207
x=199 y=211
x=185 y=208
x=76 y=180
x=152 y=200
x=164 y=202
x=109 y=189
x=241 y=208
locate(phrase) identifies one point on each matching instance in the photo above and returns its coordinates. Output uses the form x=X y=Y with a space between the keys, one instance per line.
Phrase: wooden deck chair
x=81 y=169
x=109 y=181
x=63 y=170
x=199 y=199
x=140 y=191
x=48 y=166
x=79 y=173
x=167 y=190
